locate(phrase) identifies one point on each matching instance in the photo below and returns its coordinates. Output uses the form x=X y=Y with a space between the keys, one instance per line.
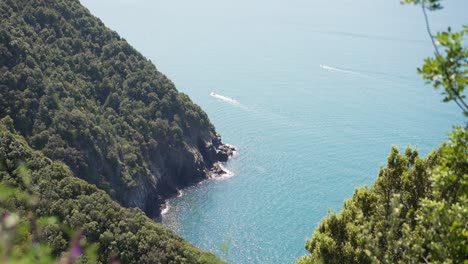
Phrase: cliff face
x=177 y=169
x=81 y=94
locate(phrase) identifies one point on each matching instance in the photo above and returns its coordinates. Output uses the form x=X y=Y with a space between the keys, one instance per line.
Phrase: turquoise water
x=322 y=89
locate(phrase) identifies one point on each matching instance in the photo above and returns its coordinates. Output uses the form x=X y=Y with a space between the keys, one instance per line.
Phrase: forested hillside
x=128 y=235
x=416 y=212
x=81 y=94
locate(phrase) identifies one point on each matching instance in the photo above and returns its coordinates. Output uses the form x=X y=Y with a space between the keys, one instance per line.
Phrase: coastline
x=217 y=171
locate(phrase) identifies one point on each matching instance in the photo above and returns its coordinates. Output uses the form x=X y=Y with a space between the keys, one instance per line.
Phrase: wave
x=167 y=204
x=225 y=175
x=225 y=99
x=166 y=208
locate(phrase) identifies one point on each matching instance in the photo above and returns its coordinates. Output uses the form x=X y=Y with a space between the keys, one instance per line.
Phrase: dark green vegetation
x=127 y=234
x=81 y=94
x=417 y=210
x=92 y=107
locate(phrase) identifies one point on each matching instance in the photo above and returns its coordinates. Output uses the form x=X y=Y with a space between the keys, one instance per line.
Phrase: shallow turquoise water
x=323 y=89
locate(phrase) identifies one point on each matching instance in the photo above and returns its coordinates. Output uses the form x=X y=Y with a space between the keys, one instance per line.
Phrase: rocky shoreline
x=224 y=152
x=213 y=155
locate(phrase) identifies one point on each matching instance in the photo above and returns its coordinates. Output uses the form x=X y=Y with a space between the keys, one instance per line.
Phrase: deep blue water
x=322 y=90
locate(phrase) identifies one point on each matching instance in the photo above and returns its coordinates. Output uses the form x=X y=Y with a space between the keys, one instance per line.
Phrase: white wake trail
x=333 y=69
x=368 y=76
x=225 y=99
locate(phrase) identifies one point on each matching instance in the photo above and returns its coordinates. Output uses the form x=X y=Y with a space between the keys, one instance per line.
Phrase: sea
x=313 y=94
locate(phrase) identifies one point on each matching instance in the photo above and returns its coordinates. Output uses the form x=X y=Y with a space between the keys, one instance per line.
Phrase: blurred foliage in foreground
x=22 y=236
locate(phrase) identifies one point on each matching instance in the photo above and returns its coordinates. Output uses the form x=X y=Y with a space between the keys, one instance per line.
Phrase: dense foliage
x=417 y=211
x=127 y=234
x=81 y=94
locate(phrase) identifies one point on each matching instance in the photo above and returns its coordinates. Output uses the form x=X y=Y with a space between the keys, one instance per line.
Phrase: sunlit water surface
x=312 y=93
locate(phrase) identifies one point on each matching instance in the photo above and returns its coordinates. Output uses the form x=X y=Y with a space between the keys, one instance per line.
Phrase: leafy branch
x=448 y=69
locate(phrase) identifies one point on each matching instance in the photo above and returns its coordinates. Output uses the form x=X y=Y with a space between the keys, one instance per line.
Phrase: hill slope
x=81 y=94
x=128 y=233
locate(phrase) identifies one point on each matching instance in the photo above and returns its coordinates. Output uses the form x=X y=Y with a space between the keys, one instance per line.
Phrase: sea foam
x=226 y=175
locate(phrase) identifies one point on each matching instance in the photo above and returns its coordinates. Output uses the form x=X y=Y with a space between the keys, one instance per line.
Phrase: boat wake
x=380 y=76
x=333 y=69
x=225 y=99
